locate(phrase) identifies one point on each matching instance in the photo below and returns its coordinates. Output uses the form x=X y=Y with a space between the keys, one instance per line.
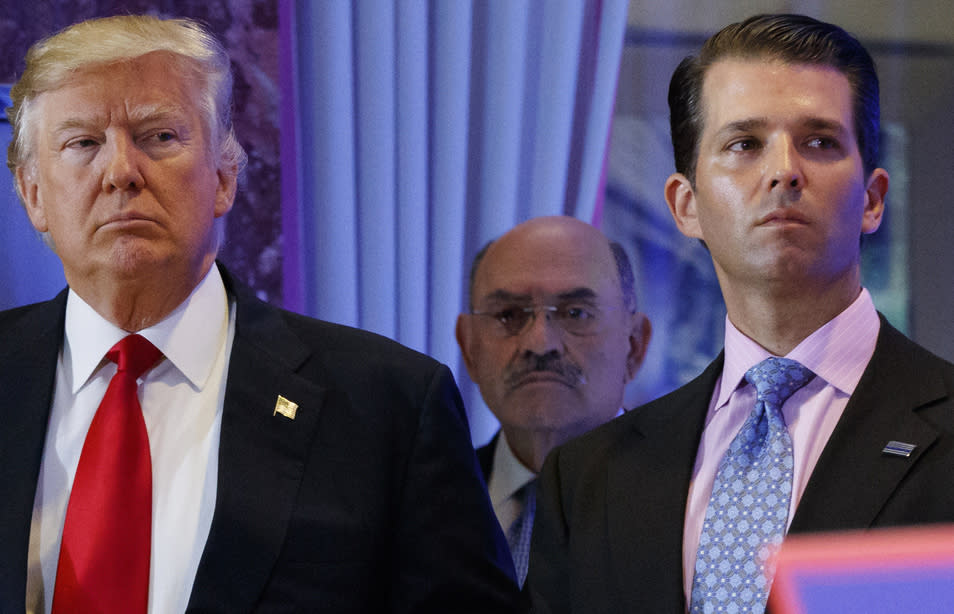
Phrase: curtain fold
x=424 y=129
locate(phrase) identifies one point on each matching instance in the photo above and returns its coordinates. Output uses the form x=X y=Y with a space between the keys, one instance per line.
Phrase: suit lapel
x=28 y=357
x=485 y=456
x=883 y=408
x=647 y=506
x=262 y=457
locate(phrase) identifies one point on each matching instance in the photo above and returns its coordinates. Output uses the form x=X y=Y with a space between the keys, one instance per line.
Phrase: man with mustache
x=818 y=415
x=552 y=338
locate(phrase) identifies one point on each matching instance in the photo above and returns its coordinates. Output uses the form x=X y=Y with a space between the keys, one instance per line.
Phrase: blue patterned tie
x=748 y=511
x=518 y=536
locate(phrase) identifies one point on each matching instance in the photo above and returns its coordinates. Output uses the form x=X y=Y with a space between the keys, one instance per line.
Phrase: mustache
x=567 y=371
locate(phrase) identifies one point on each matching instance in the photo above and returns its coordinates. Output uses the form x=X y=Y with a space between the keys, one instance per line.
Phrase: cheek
x=491 y=362
x=604 y=360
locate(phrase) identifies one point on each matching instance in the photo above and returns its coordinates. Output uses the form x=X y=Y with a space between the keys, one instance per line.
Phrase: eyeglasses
x=513 y=320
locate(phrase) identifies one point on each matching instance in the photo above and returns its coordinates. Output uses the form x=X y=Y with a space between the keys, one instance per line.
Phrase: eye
x=509 y=315
x=575 y=312
x=823 y=142
x=743 y=144
x=82 y=143
x=162 y=136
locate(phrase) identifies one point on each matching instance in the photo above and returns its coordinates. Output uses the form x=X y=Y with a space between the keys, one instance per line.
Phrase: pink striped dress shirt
x=837 y=353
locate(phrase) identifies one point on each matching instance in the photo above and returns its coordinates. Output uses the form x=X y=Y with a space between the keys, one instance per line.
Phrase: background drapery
x=423 y=130
x=510 y=96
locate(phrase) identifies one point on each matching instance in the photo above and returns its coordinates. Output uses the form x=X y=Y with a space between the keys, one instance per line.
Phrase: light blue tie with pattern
x=518 y=535
x=748 y=511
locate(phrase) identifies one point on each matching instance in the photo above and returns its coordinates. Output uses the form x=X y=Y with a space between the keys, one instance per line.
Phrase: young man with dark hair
x=818 y=415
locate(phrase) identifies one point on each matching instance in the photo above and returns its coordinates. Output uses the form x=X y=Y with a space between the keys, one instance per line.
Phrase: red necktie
x=104 y=557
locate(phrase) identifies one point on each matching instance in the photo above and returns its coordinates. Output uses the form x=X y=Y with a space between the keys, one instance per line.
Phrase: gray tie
x=518 y=535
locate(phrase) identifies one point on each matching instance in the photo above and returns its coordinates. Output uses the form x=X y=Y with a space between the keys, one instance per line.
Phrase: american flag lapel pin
x=285 y=407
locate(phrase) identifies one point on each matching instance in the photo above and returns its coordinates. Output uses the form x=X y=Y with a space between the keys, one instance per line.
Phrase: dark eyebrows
x=744 y=125
x=502 y=296
x=828 y=125
x=578 y=294
x=575 y=294
x=757 y=123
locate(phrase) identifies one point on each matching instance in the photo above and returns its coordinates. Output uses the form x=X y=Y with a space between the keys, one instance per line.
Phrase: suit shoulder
x=32 y=324
x=906 y=360
x=13 y=317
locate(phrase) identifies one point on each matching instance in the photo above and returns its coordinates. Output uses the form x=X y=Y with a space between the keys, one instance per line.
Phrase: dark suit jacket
x=485 y=456
x=609 y=523
x=368 y=501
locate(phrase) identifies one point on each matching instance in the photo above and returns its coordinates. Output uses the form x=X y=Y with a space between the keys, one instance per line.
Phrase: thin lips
x=127 y=217
x=539 y=376
x=782 y=215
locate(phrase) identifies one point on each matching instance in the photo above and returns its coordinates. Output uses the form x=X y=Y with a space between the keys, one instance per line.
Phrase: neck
x=779 y=319
x=140 y=302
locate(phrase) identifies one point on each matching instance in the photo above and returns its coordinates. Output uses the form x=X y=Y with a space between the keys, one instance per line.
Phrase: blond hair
x=51 y=62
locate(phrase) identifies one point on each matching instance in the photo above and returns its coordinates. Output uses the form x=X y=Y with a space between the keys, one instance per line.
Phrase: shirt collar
x=509 y=474
x=189 y=337
x=838 y=352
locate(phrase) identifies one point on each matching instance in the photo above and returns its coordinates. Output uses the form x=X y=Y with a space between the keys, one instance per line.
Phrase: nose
x=122 y=170
x=784 y=170
x=542 y=334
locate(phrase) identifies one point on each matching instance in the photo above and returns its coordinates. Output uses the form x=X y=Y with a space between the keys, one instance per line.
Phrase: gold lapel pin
x=285 y=407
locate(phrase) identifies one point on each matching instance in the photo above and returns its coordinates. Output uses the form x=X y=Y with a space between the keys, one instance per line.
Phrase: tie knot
x=776 y=379
x=134 y=355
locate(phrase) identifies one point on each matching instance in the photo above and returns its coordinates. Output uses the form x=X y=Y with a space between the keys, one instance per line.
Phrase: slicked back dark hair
x=792 y=39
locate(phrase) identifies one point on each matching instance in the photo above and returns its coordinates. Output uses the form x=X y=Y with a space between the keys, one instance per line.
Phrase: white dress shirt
x=837 y=353
x=181 y=398
x=508 y=476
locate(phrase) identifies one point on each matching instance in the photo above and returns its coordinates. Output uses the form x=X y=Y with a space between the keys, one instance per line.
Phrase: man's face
x=123 y=176
x=780 y=193
x=546 y=377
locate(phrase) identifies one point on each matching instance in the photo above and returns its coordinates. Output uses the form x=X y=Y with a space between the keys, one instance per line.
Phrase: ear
x=464 y=331
x=641 y=331
x=29 y=193
x=875 y=193
x=682 y=205
x=225 y=191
